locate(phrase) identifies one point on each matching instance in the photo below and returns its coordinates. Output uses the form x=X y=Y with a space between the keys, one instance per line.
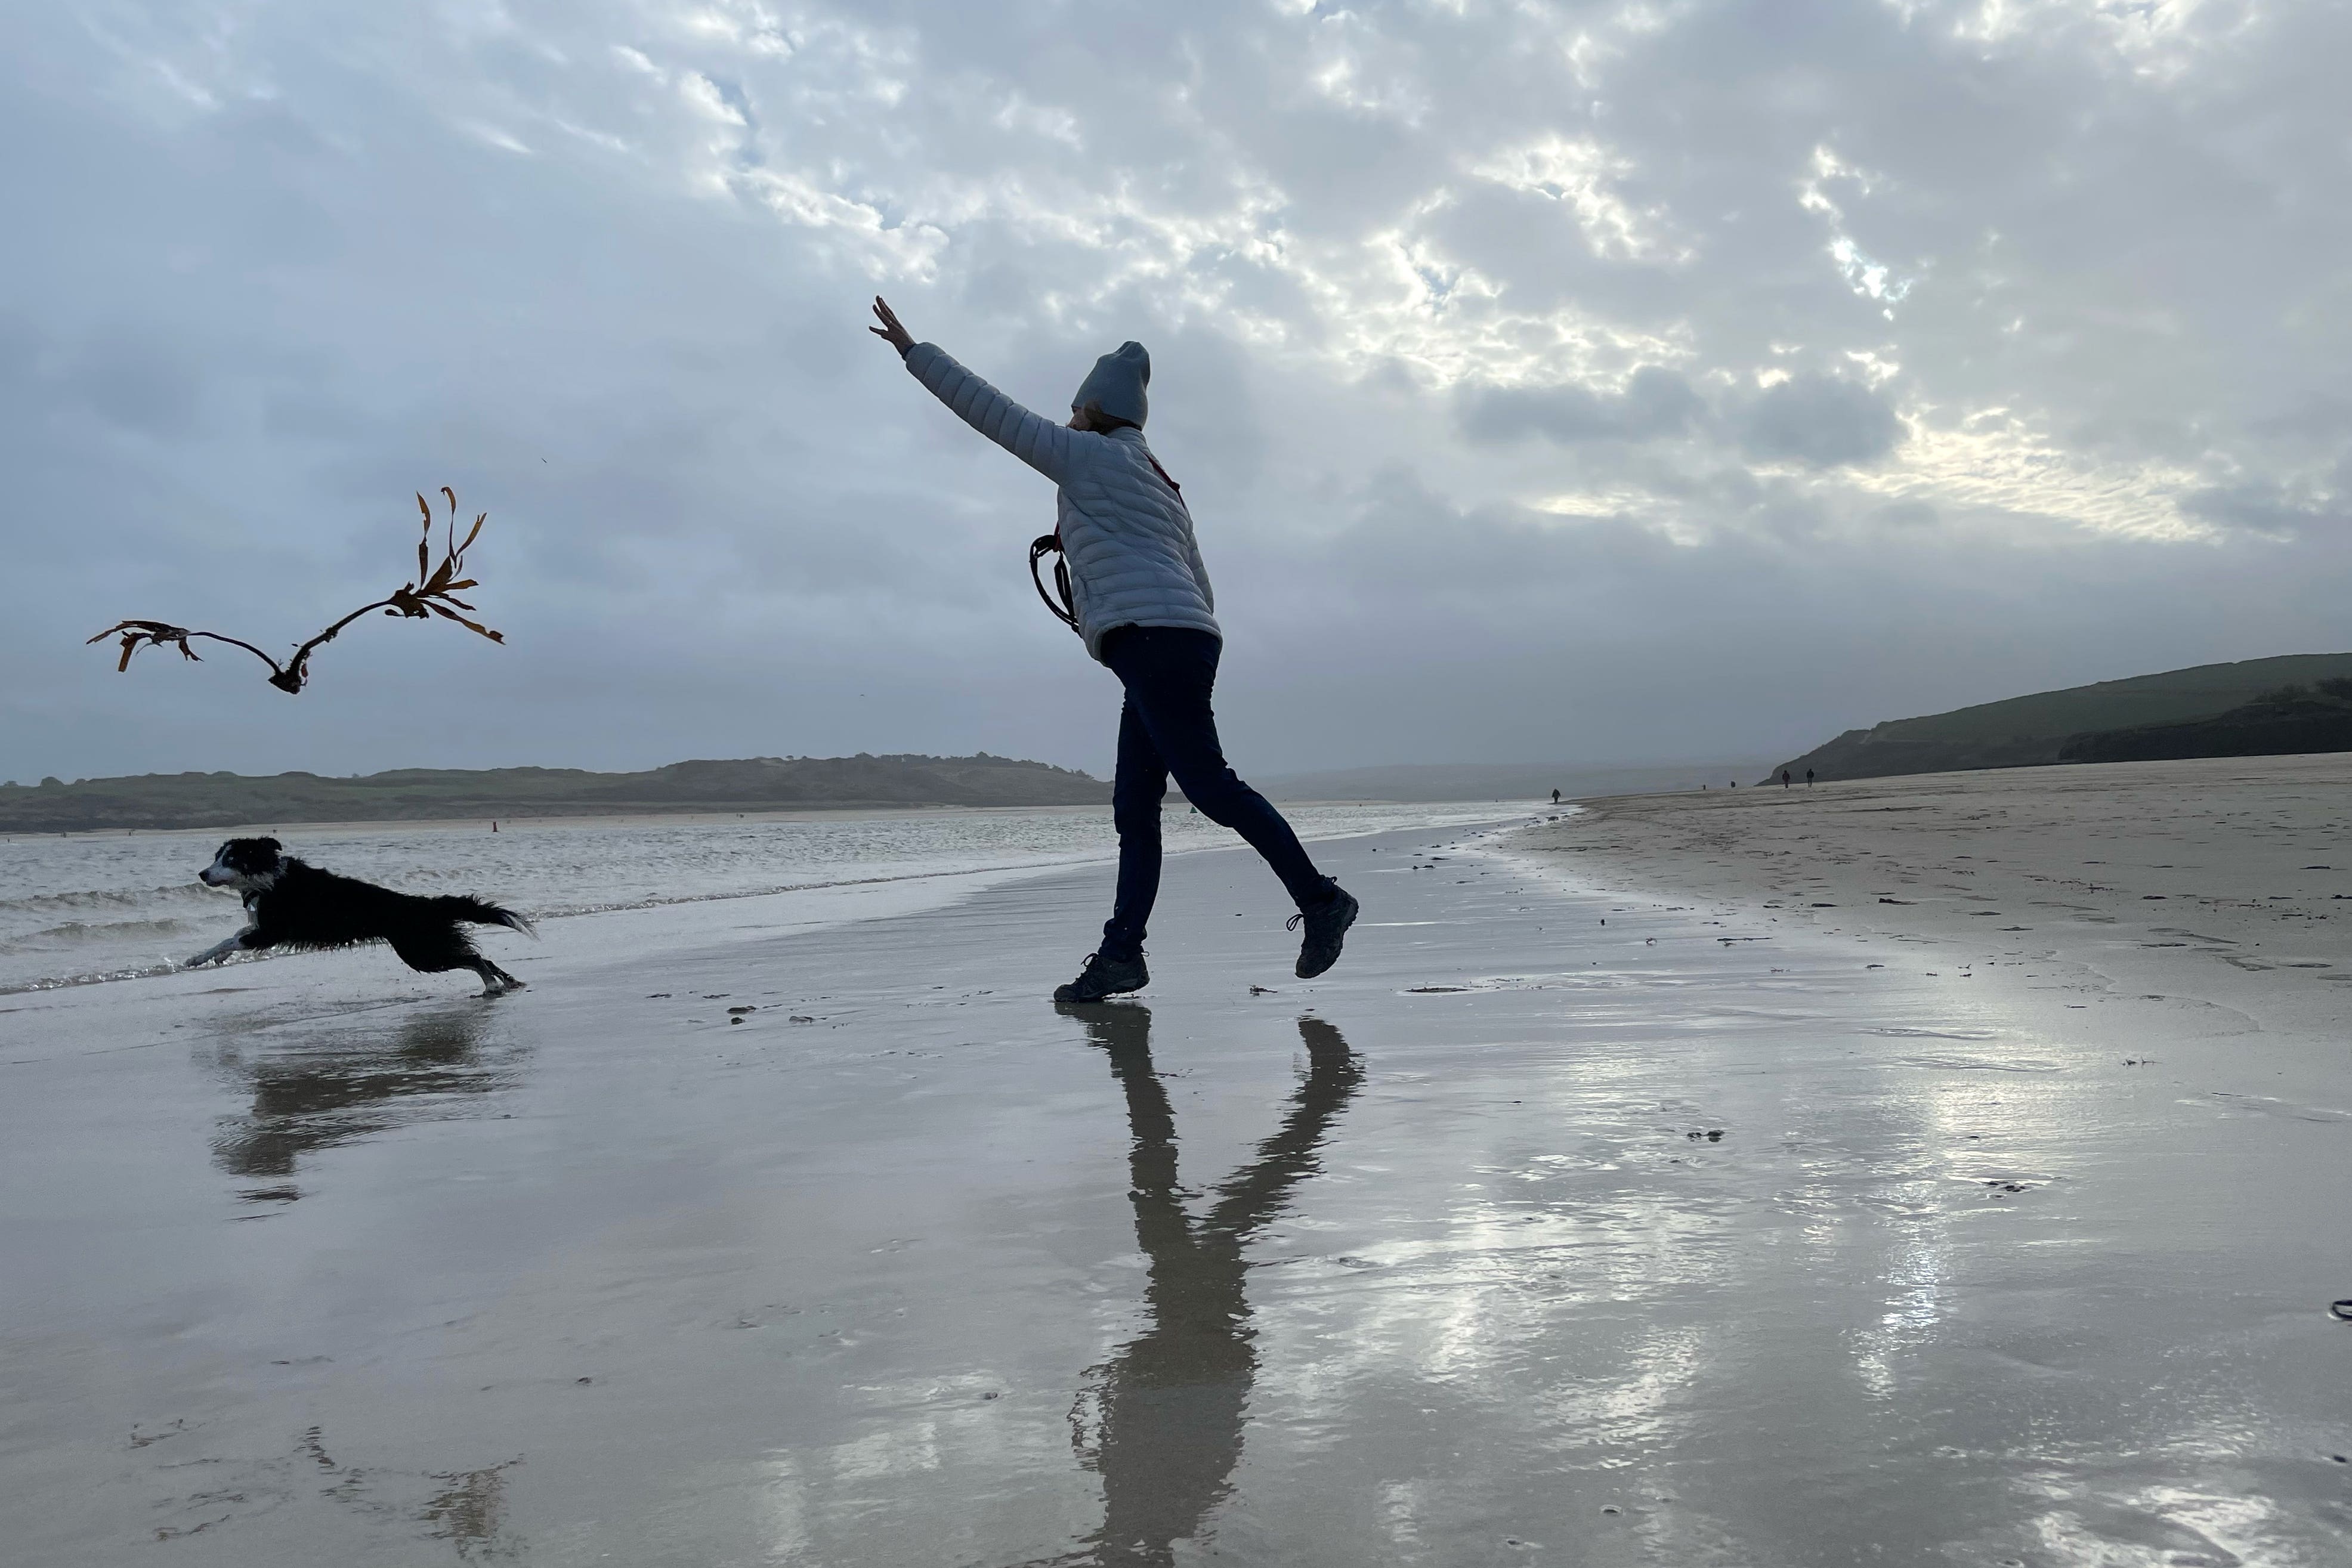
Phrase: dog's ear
x=272 y=845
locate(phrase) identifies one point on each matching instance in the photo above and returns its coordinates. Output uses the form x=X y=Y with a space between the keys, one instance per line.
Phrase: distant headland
x=2258 y=707
x=428 y=794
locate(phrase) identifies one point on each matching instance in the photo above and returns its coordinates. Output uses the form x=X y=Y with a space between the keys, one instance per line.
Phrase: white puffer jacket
x=1125 y=531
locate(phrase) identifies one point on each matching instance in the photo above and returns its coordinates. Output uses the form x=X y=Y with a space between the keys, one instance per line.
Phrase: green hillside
x=425 y=794
x=2031 y=731
x=2292 y=721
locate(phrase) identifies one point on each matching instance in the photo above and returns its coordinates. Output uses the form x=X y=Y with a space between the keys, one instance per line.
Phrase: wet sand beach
x=1558 y=1225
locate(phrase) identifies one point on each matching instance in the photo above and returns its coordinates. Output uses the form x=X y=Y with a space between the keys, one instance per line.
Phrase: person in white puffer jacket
x=1145 y=610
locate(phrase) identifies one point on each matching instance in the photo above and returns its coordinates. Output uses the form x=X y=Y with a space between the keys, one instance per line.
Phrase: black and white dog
x=297 y=905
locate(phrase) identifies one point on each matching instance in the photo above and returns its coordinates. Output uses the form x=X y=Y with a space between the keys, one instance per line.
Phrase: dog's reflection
x=1162 y=1420
x=347 y=1084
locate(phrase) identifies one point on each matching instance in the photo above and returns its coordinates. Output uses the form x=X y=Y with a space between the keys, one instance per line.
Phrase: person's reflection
x=1169 y=1404
x=351 y=1084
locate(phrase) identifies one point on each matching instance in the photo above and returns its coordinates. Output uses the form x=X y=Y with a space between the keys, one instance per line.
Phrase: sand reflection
x=353 y=1083
x=1161 y=1421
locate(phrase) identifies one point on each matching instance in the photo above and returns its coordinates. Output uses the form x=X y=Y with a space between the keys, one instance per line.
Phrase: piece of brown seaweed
x=433 y=593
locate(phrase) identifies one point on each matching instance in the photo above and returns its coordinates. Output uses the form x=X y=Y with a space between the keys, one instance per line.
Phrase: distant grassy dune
x=2031 y=731
x=425 y=794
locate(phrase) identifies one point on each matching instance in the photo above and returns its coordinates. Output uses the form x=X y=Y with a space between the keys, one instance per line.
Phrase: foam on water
x=85 y=907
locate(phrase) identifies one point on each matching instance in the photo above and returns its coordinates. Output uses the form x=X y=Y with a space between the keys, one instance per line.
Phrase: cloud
x=1529 y=367
x=1822 y=422
x=1655 y=402
x=2278 y=510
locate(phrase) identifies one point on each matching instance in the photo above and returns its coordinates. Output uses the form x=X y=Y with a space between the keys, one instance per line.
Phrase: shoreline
x=694 y=817
x=694 y=916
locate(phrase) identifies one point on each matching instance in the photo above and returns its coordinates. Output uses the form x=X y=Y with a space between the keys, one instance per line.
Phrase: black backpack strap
x=1058 y=600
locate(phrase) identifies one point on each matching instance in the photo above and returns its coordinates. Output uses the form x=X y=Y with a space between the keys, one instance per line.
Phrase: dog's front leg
x=219 y=951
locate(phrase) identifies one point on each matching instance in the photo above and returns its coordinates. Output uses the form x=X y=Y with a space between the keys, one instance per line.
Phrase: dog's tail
x=474 y=911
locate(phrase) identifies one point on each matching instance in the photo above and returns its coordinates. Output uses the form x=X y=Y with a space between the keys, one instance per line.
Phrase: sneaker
x=1105 y=977
x=1326 y=928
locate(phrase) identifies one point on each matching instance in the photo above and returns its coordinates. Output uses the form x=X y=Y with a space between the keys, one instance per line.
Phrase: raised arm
x=1035 y=440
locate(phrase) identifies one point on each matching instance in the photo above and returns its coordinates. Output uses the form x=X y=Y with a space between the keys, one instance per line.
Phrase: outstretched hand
x=890 y=332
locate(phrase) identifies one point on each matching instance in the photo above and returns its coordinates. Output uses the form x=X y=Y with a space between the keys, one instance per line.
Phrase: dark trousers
x=1166 y=728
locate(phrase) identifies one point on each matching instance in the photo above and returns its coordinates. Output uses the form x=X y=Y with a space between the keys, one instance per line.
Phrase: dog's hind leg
x=438 y=952
x=495 y=980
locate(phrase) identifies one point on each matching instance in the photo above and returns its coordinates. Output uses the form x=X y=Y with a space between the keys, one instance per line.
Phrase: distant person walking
x=1784 y=779
x=1809 y=777
x=1145 y=609
x=1555 y=796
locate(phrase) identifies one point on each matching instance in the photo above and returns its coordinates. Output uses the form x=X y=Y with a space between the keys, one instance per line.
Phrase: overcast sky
x=1549 y=381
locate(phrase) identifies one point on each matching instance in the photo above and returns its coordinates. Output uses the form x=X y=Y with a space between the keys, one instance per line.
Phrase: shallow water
x=84 y=906
x=1439 y=1261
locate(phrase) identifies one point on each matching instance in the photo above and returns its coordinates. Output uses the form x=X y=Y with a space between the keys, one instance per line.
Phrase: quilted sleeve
x=1046 y=446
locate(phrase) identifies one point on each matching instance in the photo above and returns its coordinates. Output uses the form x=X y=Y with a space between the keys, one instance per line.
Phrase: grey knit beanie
x=1116 y=383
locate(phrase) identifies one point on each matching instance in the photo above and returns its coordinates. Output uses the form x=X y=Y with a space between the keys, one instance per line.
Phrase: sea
x=86 y=908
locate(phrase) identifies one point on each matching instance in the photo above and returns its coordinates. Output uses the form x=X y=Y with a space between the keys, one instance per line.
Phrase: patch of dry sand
x=2226 y=879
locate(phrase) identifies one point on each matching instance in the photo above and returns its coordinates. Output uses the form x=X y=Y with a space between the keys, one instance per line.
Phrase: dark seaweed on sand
x=433 y=592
